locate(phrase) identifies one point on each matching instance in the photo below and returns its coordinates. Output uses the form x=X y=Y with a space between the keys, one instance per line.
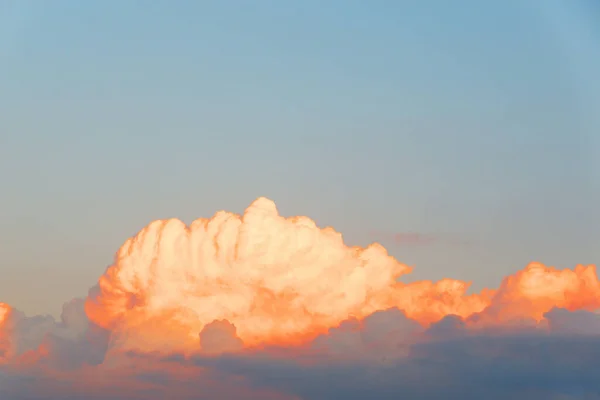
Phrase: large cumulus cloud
x=261 y=306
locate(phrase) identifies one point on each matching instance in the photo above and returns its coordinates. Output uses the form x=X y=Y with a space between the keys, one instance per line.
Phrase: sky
x=462 y=136
x=474 y=124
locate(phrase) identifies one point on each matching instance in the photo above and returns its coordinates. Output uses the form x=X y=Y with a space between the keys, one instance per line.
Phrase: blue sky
x=471 y=120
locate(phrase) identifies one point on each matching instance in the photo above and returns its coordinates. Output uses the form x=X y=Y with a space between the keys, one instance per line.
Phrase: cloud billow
x=259 y=306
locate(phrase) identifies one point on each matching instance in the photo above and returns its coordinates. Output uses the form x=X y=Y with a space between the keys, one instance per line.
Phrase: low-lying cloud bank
x=260 y=306
x=384 y=356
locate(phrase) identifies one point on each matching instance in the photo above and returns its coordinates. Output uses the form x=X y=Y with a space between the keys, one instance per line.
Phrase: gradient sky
x=478 y=123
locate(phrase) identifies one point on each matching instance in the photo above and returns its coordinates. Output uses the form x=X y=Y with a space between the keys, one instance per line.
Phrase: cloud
x=259 y=306
x=420 y=238
x=407 y=238
x=465 y=364
x=220 y=337
x=382 y=356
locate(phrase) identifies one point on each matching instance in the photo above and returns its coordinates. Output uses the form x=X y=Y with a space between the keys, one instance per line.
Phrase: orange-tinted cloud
x=5 y=345
x=185 y=311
